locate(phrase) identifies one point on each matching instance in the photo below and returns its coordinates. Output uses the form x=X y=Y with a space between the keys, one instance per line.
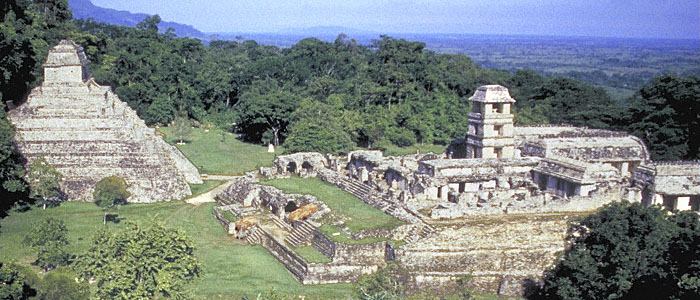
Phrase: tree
x=318 y=136
x=569 y=101
x=11 y=162
x=385 y=284
x=317 y=126
x=629 y=251
x=666 y=115
x=49 y=239
x=375 y=125
x=110 y=192
x=181 y=126
x=43 y=182
x=161 y=111
x=14 y=284
x=60 y=284
x=140 y=263
x=265 y=112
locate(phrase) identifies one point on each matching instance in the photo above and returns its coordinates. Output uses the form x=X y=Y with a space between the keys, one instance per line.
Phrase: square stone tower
x=491 y=124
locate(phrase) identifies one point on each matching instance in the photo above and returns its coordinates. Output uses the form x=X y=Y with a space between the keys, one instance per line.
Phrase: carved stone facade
x=87 y=133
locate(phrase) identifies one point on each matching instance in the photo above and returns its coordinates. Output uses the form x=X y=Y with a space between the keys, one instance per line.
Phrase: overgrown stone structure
x=496 y=205
x=87 y=133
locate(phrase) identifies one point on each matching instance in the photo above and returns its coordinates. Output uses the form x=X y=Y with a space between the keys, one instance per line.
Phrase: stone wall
x=228 y=226
x=500 y=254
x=285 y=255
x=323 y=244
x=349 y=263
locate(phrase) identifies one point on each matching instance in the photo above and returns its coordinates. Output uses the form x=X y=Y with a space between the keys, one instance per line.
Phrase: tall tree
x=13 y=284
x=11 y=162
x=110 y=192
x=570 y=101
x=265 y=112
x=629 y=251
x=140 y=263
x=60 y=284
x=43 y=182
x=317 y=127
x=182 y=126
x=666 y=115
x=49 y=238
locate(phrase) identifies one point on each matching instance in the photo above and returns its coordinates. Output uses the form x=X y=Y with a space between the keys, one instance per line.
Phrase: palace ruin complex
x=87 y=133
x=495 y=206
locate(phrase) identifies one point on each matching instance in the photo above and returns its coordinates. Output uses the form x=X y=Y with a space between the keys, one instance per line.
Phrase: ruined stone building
x=495 y=206
x=87 y=133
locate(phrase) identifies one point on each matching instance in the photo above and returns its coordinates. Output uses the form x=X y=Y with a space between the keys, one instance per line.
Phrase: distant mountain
x=84 y=9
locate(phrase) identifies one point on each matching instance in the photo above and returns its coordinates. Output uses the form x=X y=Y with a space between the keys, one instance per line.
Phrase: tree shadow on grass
x=114 y=218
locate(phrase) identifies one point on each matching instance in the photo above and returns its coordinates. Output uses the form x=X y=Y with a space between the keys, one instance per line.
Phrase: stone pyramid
x=87 y=133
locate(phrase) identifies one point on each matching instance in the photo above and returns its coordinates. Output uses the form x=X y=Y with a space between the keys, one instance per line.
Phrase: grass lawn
x=231 y=269
x=310 y=254
x=228 y=215
x=360 y=215
x=218 y=152
x=335 y=234
x=208 y=185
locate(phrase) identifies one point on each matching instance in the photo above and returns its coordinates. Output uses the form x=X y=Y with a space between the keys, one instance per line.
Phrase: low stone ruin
x=283 y=222
x=85 y=132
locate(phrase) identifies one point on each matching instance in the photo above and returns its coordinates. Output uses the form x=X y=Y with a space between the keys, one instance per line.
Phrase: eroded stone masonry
x=87 y=133
x=495 y=206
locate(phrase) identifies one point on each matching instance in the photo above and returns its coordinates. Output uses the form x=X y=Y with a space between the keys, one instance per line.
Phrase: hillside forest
x=316 y=95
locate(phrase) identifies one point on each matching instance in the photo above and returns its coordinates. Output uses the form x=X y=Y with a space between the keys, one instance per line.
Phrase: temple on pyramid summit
x=85 y=132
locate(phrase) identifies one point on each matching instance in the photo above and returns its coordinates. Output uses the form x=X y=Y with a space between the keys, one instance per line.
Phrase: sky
x=605 y=18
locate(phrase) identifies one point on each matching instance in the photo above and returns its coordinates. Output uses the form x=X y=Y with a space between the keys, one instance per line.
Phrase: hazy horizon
x=598 y=18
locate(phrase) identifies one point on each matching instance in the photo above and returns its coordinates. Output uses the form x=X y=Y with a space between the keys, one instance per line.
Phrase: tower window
x=498 y=152
x=498 y=129
x=498 y=108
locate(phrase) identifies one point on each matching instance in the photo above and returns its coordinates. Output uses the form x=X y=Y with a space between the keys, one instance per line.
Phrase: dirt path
x=219 y=177
x=209 y=196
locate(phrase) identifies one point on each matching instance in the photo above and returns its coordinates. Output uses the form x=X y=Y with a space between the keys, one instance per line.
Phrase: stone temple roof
x=677 y=178
x=492 y=94
x=66 y=53
x=577 y=171
x=591 y=145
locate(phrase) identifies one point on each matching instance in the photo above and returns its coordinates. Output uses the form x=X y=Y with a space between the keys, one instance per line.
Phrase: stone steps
x=419 y=233
x=80 y=146
x=68 y=123
x=255 y=236
x=282 y=224
x=73 y=135
x=301 y=235
x=359 y=190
